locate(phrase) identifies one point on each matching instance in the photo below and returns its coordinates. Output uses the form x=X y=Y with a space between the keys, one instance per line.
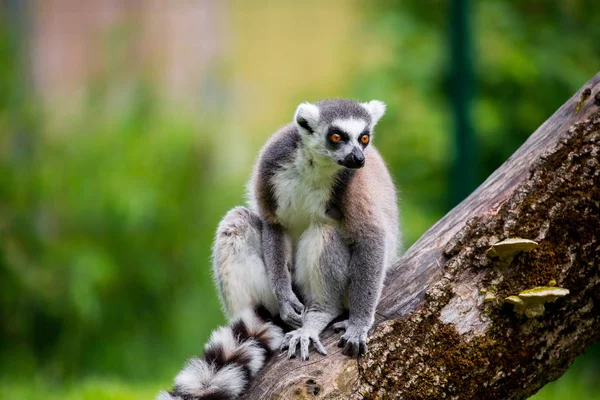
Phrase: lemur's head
x=338 y=130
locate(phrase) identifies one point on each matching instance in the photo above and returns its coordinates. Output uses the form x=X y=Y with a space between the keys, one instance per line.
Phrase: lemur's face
x=338 y=131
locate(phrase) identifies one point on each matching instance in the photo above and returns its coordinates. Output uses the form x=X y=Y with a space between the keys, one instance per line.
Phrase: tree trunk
x=436 y=337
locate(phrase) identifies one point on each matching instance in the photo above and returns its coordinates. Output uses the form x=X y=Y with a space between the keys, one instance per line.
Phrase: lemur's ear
x=376 y=108
x=307 y=117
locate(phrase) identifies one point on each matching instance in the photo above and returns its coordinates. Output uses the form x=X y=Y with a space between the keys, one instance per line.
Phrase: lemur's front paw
x=304 y=337
x=354 y=341
x=290 y=310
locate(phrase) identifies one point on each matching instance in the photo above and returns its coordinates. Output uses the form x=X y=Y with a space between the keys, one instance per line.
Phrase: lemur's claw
x=362 y=348
x=318 y=346
x=354 y=349
x=354 y=341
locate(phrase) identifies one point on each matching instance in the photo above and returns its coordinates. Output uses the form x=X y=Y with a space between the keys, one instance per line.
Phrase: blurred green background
x=128 y=128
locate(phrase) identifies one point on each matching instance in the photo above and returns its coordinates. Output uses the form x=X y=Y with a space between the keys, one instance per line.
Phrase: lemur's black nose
x=356 y=159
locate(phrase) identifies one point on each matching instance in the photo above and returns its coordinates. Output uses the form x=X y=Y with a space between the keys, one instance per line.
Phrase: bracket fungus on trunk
x=531 y=301
x=507 y=249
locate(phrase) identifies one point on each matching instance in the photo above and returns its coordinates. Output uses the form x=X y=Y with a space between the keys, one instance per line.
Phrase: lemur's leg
x=321 y=274
x=238 y=267
x=277 y=253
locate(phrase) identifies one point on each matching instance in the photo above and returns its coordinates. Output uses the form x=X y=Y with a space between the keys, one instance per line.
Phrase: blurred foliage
x=580 y=381
x=530 y=57
x=105 y=234
x=89 y=389
x=106 y=218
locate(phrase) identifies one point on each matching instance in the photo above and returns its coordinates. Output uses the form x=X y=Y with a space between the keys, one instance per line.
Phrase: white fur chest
x=302 y=195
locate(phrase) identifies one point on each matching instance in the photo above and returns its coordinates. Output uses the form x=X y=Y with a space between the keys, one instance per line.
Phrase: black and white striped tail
x=233 y=355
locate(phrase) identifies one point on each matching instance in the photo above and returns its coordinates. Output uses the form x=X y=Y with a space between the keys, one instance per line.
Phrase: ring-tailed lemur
x=323 y=219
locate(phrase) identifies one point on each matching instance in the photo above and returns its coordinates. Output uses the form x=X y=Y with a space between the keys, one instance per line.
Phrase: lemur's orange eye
x=364 y=139
x=335 y=137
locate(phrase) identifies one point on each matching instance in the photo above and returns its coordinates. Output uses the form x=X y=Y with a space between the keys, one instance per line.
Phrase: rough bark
x=436 y=337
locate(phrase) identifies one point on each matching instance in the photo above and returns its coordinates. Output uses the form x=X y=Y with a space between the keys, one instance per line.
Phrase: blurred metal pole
x=463 y=179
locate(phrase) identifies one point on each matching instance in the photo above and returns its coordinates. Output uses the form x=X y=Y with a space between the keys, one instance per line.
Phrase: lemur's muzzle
x=356 y=159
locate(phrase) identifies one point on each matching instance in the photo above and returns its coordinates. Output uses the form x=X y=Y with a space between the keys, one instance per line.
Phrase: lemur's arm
x=366 y=282
x=276 y=249
x=278 y=272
